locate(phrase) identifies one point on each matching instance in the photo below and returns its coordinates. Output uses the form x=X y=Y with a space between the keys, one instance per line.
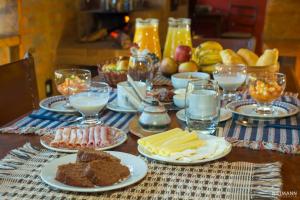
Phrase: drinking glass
x=264 y=88
x=230 y=78
x=71 y=81
x=141 y=68
x=90 y=101
x=202 y=102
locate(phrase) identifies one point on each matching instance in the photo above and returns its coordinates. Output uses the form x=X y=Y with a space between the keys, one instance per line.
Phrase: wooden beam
x=9 y=41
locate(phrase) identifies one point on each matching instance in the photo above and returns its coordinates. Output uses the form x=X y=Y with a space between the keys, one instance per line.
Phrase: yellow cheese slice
x=178 y=148
x=153 y=139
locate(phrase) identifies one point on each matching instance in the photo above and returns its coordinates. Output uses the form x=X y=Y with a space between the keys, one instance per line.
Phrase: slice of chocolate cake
x=73 y=174
x=103 y=173
x=88 y=155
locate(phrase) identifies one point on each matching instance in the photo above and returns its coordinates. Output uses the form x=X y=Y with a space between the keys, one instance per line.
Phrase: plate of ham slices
x=70 y=139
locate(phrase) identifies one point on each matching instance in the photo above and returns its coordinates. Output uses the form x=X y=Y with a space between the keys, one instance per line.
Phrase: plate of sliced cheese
x=181 y=147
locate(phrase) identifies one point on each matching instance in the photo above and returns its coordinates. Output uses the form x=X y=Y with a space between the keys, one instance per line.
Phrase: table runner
x=283 y=140
x=20 y=169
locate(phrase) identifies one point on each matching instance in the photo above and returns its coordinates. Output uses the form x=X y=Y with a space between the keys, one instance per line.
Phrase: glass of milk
x=91 y=101
x=202 y=103
x=230 y=78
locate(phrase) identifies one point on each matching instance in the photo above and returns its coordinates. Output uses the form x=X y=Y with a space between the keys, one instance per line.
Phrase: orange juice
x=179 y=33
x=146 y=35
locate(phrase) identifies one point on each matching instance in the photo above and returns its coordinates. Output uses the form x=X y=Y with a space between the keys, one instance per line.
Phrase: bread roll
x=249 y=56
x=230 y=57
x=269 y=57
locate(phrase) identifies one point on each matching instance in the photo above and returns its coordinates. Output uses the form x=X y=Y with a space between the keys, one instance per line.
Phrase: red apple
x=183 y=53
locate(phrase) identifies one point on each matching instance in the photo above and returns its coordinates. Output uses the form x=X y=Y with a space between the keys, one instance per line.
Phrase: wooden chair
x=230 y=43
x=18 y=89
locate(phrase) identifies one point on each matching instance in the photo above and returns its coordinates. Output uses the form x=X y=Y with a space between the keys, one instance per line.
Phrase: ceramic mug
x=123 y=98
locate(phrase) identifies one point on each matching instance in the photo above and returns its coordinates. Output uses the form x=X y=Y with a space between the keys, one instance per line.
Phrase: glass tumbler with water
x=202 y=101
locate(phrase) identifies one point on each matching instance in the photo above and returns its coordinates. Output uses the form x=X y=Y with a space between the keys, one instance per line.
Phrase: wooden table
x=290 y=163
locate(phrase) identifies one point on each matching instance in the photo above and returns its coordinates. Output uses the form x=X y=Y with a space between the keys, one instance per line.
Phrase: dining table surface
x=290 y=162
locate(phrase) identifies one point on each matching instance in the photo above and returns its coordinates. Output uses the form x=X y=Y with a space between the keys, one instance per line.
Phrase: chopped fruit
x=72 y=85
x=265 y=92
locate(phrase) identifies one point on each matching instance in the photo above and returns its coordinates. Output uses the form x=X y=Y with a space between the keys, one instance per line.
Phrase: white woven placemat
x=20 y=169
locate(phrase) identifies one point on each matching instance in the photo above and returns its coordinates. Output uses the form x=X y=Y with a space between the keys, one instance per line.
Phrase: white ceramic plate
x=113 y=105
x=247 y=108
x=120 y=140
x=224 y=115
x=56 y=104
x=223 y=148
x=138 y=170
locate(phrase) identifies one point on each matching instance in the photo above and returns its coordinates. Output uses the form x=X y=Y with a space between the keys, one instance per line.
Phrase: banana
x=210 y=59
x=211 y=45
x=249 y=56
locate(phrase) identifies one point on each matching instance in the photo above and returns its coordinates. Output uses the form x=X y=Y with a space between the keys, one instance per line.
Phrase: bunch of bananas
x=207 y=54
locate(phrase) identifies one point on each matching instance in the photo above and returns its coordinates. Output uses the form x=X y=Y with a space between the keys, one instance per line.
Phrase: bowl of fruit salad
x=264 y=88
x=71 y=81
x=114 y=71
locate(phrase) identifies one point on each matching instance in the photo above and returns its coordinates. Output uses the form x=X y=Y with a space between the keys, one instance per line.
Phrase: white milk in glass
x=89 y=103
x=203 y=110
x=230 y=83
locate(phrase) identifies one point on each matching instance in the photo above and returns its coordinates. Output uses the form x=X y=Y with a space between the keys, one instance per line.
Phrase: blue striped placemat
x=31 y=125
x=284 y=140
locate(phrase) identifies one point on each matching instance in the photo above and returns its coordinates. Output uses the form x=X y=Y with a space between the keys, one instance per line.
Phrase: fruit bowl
x=114 y=70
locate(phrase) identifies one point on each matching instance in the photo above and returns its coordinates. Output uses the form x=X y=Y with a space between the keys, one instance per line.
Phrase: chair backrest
x=242 y=17
x=18 y=89
x=228 y=43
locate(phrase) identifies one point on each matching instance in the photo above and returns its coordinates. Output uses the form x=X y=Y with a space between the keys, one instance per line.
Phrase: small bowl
x=180 y=80
x=179 y=100
x=113 y=77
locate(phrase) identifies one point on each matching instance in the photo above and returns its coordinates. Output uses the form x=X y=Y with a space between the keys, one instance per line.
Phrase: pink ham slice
x=97 y=137
x=91 y=137
x=66 y=136
x=73 y=136
x=85 y=137
x=78 y=137
x=104 y=136
x=57 y=139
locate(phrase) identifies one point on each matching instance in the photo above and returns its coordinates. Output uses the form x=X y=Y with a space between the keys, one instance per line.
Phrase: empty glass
x=71 y=81
x=141 y=68
x=230 y=78
x=202 y=102
x=91 y=101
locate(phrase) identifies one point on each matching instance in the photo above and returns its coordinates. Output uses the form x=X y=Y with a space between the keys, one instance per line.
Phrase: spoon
x=250 y=124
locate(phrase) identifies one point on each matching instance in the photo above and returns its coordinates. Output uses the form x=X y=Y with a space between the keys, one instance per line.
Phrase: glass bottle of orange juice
x=179 y=33
x=146 y=35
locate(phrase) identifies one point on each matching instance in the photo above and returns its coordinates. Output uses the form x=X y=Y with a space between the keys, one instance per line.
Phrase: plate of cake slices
x=71 y=139
x=94 y=171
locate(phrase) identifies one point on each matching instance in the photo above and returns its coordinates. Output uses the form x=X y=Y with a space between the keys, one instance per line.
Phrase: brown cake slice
x=88 y=155
x=103 y=173
x=73 y=174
